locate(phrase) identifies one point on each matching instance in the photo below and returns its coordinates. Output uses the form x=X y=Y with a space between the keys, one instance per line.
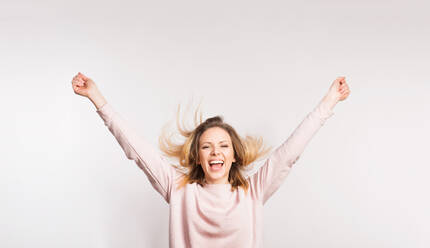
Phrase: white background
x=361 y=182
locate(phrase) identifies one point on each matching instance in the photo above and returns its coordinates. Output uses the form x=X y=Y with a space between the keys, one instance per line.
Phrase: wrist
x=329 y=101
x=93 y=94
x=97 y=99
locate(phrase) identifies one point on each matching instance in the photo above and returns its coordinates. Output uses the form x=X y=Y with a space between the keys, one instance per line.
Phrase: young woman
x=212 y=204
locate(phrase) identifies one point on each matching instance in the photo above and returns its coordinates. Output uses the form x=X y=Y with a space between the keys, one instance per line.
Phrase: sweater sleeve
x=159 y=172
x=273 y=172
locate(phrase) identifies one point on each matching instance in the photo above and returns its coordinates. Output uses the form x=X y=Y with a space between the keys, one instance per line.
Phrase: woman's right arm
x=159 y=172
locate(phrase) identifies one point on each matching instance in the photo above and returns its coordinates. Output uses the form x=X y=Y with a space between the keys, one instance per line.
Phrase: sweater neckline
x=217 y=185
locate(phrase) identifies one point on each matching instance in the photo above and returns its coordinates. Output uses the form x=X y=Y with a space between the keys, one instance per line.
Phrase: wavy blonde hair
x=246 y=150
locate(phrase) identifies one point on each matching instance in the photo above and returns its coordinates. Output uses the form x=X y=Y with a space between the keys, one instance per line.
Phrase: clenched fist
x=83 y=85
x=339 y=90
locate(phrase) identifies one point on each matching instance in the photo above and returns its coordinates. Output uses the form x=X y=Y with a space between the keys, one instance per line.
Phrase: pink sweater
x=213 y=216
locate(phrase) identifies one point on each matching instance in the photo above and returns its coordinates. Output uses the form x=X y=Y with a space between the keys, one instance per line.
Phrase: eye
x=204 y=147
x=224 y=145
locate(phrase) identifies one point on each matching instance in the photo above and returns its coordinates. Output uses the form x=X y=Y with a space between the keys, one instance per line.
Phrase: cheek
x=231 y=156
x=202 y=157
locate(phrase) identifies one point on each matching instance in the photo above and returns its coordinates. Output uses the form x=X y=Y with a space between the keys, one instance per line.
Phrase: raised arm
x=159 y=172
x=270 y=176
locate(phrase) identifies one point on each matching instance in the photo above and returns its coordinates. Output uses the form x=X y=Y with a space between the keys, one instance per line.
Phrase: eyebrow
x=207 y=142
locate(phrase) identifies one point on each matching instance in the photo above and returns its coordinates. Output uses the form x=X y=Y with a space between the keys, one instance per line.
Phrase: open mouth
x=216 y=164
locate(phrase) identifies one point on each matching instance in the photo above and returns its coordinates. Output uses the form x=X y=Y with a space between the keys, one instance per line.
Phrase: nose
x=214 y=151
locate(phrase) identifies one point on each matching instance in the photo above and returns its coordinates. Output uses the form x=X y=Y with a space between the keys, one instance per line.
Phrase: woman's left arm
x=270 y=176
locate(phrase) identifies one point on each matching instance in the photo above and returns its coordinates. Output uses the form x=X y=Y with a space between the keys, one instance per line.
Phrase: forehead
x=215 y=135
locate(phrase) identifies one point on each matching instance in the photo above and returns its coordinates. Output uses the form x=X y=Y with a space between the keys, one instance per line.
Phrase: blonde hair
x=246 y=150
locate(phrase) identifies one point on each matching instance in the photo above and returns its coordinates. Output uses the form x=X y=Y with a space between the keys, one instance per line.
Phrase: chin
x=216 y=177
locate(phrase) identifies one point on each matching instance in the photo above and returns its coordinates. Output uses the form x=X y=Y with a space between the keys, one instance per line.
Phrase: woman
x=212 y=204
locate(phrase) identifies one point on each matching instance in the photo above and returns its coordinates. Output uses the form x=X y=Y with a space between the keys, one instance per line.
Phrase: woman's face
x=216 y=155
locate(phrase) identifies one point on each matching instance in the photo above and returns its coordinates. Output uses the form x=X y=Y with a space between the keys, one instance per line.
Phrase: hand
x=339 y=90
x=83 y=85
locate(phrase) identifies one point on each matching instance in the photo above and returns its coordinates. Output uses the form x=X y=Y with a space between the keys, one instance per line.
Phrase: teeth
x=216 y=162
